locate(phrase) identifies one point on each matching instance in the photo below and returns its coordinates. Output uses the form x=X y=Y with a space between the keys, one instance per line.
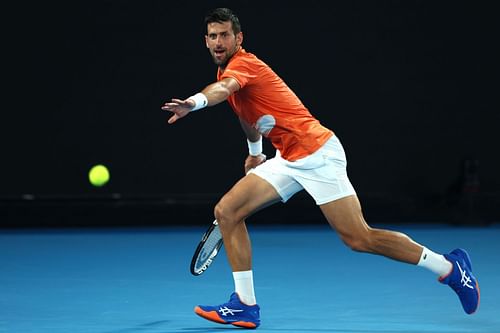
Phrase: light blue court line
x=138 y=280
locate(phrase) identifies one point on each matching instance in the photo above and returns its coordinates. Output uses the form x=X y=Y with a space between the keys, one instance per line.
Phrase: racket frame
x=199 y=248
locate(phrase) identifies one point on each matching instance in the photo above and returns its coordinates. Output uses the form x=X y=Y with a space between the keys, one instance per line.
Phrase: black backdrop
x=410 y=87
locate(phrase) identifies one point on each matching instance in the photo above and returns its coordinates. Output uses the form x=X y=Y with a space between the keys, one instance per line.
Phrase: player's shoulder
x=247 y=62
x=247 y=57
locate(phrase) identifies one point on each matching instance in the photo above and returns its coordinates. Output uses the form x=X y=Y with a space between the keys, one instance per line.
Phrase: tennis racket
x=207 y=250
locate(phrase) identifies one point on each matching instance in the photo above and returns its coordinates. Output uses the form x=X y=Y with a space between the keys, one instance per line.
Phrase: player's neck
x=223 y=66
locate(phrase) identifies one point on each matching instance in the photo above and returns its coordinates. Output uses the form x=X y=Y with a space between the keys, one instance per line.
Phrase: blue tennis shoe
x=461 y=280
x=233 y=312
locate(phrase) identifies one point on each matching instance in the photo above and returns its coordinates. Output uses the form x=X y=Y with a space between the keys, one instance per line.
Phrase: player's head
x=224 y=36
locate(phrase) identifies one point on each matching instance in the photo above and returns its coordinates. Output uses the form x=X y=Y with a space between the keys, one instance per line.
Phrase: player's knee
x=354 y=244
x=358 y=243
x=223 y=213
x=219 y=212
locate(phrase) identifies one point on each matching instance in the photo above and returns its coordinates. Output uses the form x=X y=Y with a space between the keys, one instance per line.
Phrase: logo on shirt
x=265 y=124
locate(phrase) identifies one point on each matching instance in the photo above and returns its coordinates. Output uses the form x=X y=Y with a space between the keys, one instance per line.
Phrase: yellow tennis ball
x=99 y=175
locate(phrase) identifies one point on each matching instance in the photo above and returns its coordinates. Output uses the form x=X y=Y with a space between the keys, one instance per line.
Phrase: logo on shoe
x=466 y=280
x=225 y=311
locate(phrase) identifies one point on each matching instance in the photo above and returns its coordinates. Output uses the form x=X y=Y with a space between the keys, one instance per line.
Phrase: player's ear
x=239 y=38
x=206 y=41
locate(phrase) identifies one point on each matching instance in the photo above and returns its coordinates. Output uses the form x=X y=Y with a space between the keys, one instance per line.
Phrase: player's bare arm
x=251 y=133
x=214 y=93
x=254 y=138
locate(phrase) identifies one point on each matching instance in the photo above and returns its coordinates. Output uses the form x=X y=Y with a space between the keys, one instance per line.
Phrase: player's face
x=222 y=42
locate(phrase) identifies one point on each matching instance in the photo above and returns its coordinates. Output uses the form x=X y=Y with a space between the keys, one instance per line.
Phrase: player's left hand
x=253 y=161
x=179 y=107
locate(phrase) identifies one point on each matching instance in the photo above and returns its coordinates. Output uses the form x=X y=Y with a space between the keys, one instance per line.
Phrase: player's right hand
x=253 y=161
x=179 y=107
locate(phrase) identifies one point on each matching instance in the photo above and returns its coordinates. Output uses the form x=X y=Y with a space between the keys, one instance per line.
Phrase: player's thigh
x=346 y=217
x=247 y=196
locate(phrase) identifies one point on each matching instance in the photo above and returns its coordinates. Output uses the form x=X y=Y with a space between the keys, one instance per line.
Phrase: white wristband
x=200 y=101
x=255 y=148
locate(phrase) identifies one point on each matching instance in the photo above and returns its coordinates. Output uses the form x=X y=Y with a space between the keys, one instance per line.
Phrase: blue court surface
x=138 y=280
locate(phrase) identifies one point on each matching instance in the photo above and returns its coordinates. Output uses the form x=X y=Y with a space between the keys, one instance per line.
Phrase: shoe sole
x=213 y=316
x=209 y=315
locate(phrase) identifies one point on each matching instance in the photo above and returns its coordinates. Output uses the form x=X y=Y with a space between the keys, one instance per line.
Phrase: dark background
x=410 y=87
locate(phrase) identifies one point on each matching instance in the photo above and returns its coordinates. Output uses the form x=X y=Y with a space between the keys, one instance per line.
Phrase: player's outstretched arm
x=180 y=108
x=213 y=94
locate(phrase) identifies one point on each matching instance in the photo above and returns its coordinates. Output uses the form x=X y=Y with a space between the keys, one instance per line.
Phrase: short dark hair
x=221 y=15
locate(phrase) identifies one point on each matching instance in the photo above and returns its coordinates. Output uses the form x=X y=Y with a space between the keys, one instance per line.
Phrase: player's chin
x=219 y=61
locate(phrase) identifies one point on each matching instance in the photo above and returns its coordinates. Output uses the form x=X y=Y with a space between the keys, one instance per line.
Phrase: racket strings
x=209 y=250
x=214 y=239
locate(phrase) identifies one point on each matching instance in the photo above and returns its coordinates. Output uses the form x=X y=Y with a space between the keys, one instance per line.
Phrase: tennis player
x=308 y=157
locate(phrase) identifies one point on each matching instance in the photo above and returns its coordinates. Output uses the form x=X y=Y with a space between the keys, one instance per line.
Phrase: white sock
x=243 y=285
x=434 y=262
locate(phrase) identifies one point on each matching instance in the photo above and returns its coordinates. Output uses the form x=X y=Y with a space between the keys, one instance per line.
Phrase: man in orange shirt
x=308 y=156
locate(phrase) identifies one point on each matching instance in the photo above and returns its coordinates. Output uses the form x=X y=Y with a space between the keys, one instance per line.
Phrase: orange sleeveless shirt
x=266 y=103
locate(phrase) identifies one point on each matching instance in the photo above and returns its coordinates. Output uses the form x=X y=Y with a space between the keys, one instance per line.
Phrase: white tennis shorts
x=323 y=174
